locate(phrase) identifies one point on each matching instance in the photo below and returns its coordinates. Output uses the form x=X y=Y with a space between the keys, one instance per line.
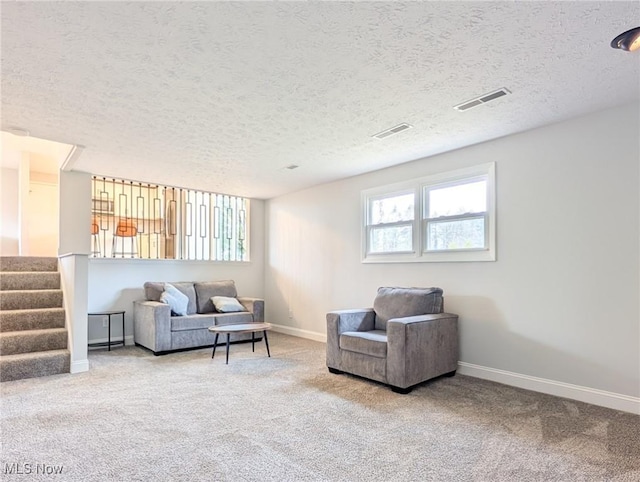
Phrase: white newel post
x=74 y=249
x=74 y=274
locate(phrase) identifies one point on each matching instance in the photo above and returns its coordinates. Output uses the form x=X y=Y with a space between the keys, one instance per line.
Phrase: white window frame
x=421 y=187
x=387 y=192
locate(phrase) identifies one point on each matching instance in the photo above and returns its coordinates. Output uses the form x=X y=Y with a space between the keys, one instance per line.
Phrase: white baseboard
x=594 y=396
x=309 y=335
x=128 y=340
x=79 y=366
x=83 y=365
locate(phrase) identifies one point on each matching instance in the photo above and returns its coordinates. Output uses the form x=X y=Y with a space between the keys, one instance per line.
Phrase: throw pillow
x=224 y=304
x=177 y=300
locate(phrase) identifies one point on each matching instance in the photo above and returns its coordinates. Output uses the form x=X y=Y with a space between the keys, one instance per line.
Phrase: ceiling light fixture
x=291 y=167
x=18 y=131
x=628 y=41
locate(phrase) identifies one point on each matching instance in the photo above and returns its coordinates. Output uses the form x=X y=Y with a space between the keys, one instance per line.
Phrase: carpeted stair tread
x=30 y=299
x=30 y=365
x=14 y=342
x=37 y=319
x=28 y=263
x=31 y=280
x=33 y=337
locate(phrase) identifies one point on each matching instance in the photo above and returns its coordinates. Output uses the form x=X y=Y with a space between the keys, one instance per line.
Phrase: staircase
x=33 y=337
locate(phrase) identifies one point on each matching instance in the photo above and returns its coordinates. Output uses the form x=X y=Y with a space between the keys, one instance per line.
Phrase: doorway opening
x=30 y=193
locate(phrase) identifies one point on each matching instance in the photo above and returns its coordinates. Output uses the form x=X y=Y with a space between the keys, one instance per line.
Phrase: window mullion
x=392 y=225
x=458 y=217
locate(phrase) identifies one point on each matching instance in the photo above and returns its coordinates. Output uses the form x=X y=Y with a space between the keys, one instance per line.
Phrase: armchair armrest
x=255 y=306
x=152 y=325
x=422 y=318
x=345 y=320
x=351 y=320
x=421 y=347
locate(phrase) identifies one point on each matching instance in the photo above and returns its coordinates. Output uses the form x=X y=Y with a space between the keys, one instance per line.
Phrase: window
x=455 y=215
x=139 y=220
x=444 y=217
x=390 y=226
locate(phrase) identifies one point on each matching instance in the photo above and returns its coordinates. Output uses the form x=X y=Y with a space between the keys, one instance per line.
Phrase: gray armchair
x=402 y=341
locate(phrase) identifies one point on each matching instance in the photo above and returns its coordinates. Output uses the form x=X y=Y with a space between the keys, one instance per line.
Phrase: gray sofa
x=156 y=329
x=405 y=339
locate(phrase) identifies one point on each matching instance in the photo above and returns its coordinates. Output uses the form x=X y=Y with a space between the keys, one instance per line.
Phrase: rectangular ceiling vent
x=483 y=99
x=392 y=131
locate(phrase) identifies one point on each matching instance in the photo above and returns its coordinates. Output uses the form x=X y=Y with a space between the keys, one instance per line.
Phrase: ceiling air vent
x=483 y=99
x=392 y=131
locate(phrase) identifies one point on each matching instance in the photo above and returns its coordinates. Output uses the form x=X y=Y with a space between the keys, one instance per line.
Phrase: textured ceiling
x=222 y=96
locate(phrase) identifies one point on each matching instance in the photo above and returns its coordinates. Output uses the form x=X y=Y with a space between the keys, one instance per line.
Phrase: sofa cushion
x=224 y=304
x=372 y=343
x=233 y=318
x=205 y=290
x=175 y=299
x=192 y=322
x=400 y=302
x=153 y=290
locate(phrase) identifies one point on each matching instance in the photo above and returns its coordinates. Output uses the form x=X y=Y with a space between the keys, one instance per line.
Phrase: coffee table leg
x=227 y=348
x=253 y=341
x=215 y=342
x=266 y=342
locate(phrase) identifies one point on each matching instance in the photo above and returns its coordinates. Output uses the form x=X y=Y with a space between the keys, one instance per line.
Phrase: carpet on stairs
x=33 y=336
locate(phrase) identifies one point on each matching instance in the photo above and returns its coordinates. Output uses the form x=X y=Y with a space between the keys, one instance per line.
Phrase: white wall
x=75 y=213
x=562 y=300
x=9 y=224
x=114 y=284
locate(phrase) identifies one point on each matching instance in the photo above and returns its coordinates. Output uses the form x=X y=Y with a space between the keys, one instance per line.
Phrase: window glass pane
x=391 y=239
x=460 y=199
x=462 y=234
x=392 y=209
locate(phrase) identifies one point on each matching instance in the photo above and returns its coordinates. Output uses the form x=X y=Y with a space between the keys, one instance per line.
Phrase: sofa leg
x=401 y=391
x=335 y=370
x=450 y=374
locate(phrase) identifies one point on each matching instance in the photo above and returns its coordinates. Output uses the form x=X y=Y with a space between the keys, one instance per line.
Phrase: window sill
x=439 y=257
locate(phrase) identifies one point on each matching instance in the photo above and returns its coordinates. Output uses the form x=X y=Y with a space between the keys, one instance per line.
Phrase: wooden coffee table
x=243 y=328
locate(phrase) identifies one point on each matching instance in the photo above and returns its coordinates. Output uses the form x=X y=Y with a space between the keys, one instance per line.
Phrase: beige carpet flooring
x=185 y=417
